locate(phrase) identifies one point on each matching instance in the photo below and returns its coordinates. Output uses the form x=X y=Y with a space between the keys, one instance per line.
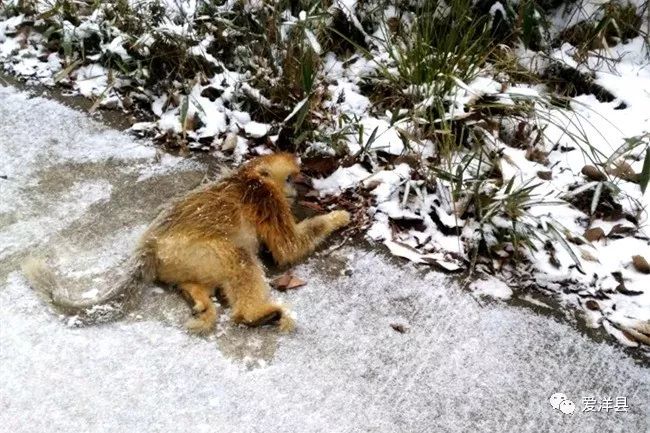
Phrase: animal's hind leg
x=203 y=307
x=248 y=294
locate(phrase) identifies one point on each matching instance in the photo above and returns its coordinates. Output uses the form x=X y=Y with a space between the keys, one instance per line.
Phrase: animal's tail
x=141 y=268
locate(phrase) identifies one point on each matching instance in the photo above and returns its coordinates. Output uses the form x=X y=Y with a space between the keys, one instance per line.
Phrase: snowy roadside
x=379 y=347
x=581 y=232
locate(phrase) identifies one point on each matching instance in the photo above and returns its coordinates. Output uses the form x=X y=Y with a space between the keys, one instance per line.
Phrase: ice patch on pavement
x=345 y=369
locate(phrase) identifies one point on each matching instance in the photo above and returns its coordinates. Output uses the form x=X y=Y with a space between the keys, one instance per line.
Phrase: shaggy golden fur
x=210 y=239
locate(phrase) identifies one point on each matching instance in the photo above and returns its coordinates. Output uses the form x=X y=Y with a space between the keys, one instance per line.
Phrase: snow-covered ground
x=380 y=346
x=587 y=235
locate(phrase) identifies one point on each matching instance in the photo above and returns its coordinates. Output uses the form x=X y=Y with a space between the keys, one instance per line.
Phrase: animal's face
x=289 y=189
x=280 y=169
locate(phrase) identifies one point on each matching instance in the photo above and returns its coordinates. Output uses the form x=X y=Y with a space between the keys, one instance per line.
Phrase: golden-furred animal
x=211 y=238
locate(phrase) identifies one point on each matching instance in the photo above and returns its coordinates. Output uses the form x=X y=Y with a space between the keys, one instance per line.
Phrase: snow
x=459 y=365
x=342 y=179
x=492 y=287
x=385 y=137
x=346 y=370
x=116 y=46
x=256 y=129
x=91 y=80
x=75 y=145
x=594 y=128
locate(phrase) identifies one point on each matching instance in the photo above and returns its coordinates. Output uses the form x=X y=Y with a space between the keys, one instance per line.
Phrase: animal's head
x=278 y=169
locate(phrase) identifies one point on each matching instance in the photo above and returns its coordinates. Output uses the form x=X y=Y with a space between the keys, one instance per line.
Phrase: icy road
x=380 y=346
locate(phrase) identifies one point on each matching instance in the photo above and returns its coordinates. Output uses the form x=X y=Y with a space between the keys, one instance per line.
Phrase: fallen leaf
x=635 y=335
x=441 y=263
x=641 y=264
x=643 y=327
x=407 y=223
x=586 y=255
x=537 y=155
x=594 y=234
x=398 y=327
x=287 y=281
x=319 y=166
x=593 y=173
x=620 y=230
x=229 y=142
x=624 y=171
x=625 y=291
x=545 y=175
x=592 y=305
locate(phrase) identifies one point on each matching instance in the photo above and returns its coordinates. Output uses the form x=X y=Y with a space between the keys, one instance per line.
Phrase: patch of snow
x=256 y=129
x=385 y=137
x=91 y=80
x=491 y=287
x=342 y=179
x=116 y=46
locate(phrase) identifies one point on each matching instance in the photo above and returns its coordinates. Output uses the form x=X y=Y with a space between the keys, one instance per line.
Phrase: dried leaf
x=623 y=170
x=641 y=264
x=635 y=335
x=295 y=282
x=644 y=177
x=625 y=291
x=592 y=305
x=398 y=327
x=592 y=173
x=320 y=166
x=287 y=281
x=594 y=234
x=586 y=255
x=229 y=142
x=620 y=230
x=643 y=327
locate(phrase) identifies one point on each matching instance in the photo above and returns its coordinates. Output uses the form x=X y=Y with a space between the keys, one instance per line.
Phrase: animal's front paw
x=339 y=218
x=201 y=325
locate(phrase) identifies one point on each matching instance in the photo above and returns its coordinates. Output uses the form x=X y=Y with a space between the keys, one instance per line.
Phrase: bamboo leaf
x=66 y=71
x=645 y=173
x=560 y=237
x=596 y=198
